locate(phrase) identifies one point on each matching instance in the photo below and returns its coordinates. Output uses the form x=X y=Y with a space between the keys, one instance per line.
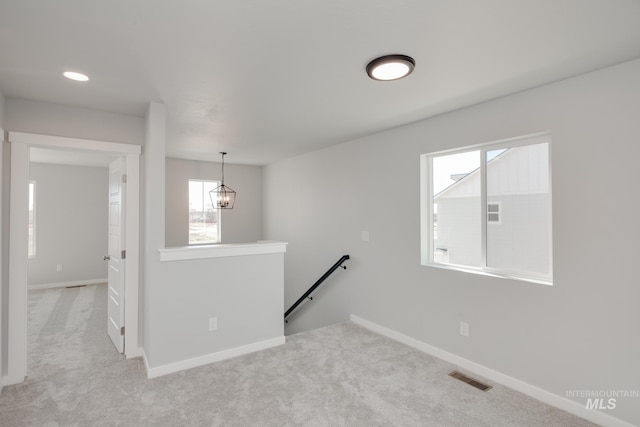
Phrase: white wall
x=180 y=296
x=59 y=120
x=244 y=293
x=71 y=223
x=580 y=333
x=2 y=102
x=241 y=224
x=153 y=212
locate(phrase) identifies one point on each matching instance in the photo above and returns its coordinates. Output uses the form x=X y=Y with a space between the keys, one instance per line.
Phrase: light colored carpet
x=342 y=375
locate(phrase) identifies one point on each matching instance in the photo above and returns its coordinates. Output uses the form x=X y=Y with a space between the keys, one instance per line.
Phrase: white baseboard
x=545 y=396
x=209 y=358
x=66 y=284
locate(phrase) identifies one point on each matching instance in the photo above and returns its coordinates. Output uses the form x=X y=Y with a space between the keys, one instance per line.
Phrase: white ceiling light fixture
x=79 y=77
x=390 y=67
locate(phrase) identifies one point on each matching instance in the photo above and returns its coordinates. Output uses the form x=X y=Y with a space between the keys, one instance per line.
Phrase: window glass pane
x=511 y=192
x=456 y=209
x=204 y=221
x=518 y=178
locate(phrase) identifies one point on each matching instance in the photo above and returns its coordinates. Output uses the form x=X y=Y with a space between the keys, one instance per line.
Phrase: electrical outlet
x=464 y=329
x=365 y=236
x=213 y=324
x=59 y=267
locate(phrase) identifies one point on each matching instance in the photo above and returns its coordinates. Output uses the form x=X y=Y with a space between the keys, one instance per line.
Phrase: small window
x=204 y=221
x=32 y=219
x=493 y=212
x=465 y=194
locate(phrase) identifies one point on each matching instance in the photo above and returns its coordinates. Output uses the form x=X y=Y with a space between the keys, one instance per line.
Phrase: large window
x=204 y=221
x=32 y=219
x=487 y=209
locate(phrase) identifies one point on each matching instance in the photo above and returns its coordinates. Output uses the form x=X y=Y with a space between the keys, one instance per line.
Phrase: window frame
x=427 y=209
x=216 y=183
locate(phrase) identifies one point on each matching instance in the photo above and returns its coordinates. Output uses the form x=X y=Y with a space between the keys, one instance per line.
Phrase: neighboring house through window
x=487 y=209
x=204 y=221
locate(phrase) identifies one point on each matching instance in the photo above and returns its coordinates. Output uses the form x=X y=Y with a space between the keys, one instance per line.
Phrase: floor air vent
x=465 y=379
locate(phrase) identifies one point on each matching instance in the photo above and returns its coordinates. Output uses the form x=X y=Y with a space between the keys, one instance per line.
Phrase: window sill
x=540 y=281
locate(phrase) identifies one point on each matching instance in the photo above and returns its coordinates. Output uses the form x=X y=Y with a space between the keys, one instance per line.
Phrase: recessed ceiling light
x=72 y=75
x=390 y=67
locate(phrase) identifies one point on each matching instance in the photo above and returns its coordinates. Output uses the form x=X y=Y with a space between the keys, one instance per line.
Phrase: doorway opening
x=129 y=160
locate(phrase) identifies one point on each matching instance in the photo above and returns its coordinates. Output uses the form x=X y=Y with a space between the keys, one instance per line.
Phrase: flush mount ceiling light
x=222 y=197
x=72 y=75
x=390 y=67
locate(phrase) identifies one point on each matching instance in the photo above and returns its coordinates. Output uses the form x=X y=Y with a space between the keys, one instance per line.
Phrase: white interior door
x=116 y=255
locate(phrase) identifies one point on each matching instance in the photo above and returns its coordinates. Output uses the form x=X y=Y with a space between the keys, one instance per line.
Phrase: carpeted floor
x=342 y=375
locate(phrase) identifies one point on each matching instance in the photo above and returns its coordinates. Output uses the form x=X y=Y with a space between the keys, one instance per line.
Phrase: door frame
x=18 y=236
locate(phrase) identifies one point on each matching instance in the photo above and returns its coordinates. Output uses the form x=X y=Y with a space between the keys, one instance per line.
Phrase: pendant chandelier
x=222 y=197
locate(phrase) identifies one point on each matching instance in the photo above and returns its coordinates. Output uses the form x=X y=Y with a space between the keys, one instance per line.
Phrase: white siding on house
x=520 y=242
x=521 y=170
x=459 y=231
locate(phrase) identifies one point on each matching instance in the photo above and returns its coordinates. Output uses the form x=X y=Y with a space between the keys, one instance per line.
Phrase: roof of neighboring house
x=514 y=171
x=463 y=178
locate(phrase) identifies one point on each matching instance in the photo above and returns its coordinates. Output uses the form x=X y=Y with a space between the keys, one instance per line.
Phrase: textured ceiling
x=265 y=80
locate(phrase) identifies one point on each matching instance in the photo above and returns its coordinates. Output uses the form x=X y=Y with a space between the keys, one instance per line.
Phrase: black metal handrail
x=315 y=285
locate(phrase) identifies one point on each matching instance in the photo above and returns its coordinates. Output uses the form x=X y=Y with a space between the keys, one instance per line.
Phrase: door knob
x=106 y=258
